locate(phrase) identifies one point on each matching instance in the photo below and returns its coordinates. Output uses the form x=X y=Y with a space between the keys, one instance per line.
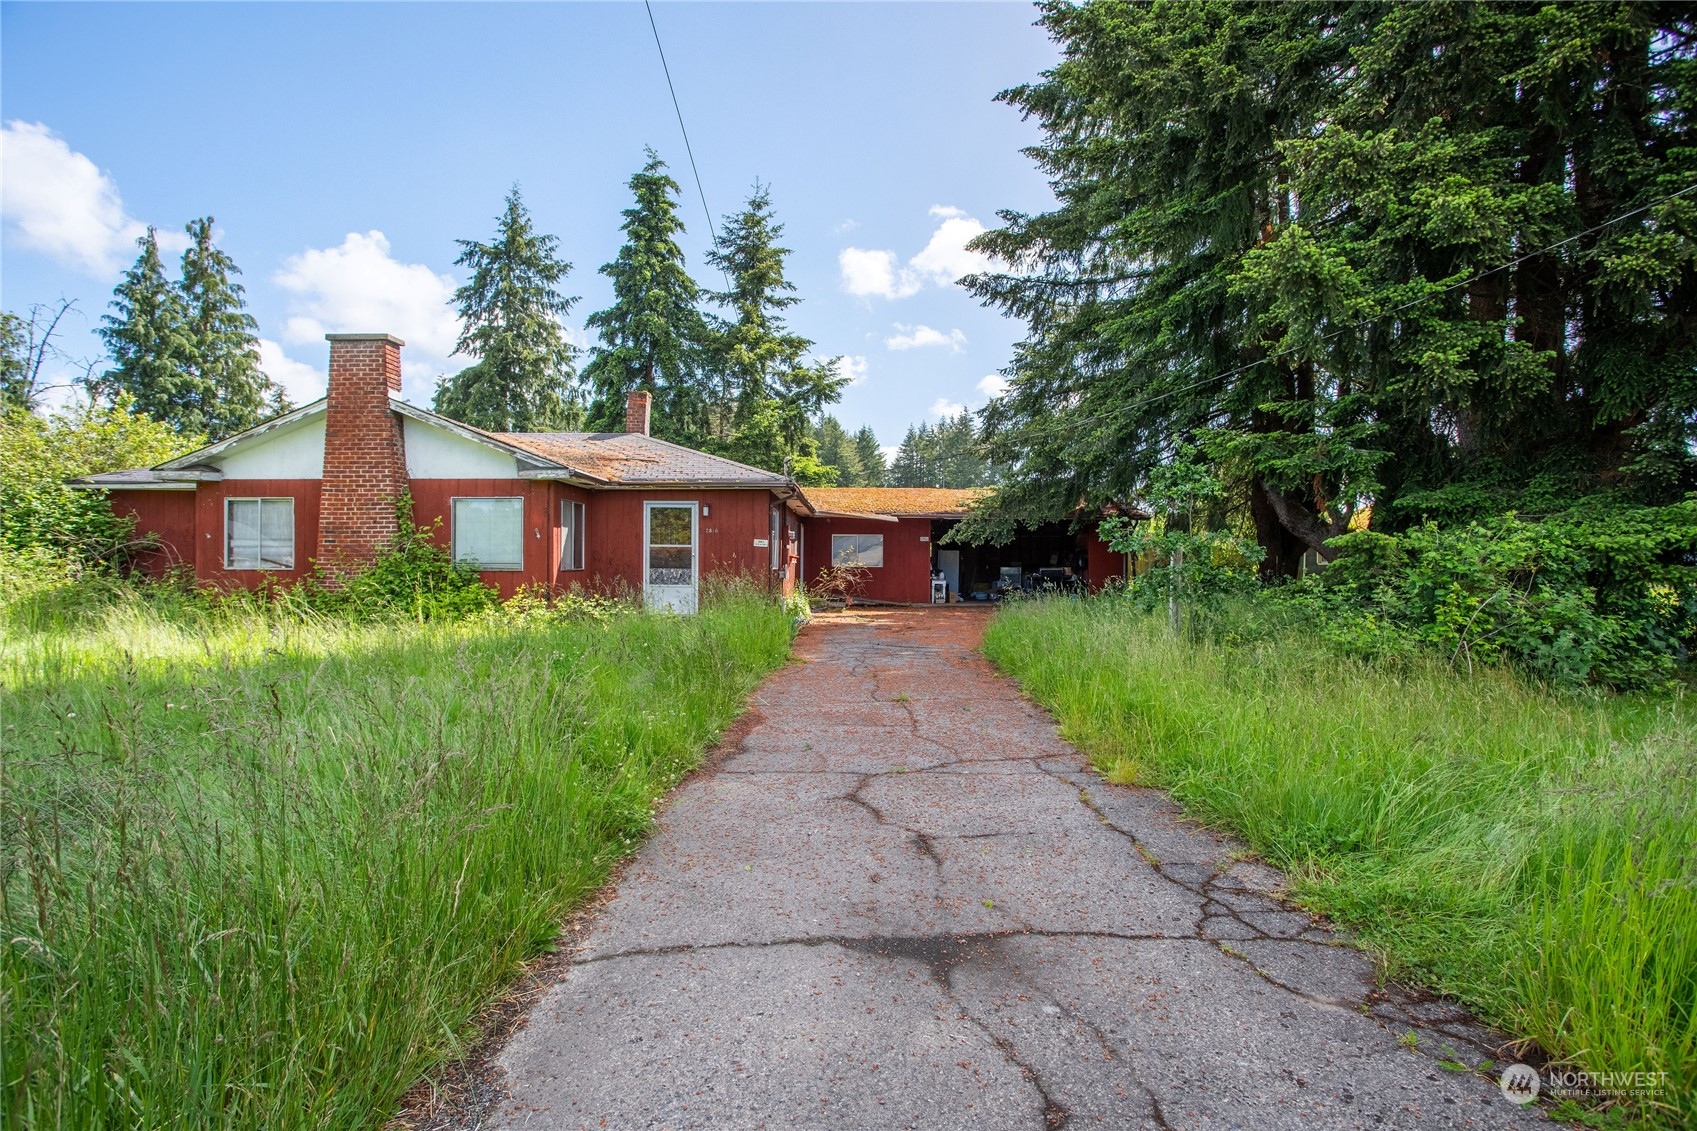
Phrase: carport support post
x=1175 y=565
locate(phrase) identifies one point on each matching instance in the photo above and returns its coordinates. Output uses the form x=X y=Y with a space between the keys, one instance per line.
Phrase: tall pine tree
x=148 y=339
x=948 y=455
x=524 y=379
x=764 y=393
x=653 y=335
x=186 y=351
x=223 y=351
x=871 y=457
x=1304 y=239
x=837 y=450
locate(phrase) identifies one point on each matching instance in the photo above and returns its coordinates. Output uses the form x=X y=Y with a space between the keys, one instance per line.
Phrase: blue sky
x=343 y=147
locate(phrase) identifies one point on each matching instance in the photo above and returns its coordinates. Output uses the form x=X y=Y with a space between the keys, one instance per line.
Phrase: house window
x=858 y=549
x=259 y=534
x=773 y=539
x=489 y=533
x=571 y=526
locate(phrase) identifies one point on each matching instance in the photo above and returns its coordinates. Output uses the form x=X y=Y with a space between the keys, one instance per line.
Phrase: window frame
x=572 y=515
x=259 y=533
x=836 y=558
x=454 y=532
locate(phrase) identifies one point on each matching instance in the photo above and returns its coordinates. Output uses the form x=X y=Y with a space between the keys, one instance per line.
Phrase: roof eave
x=87 y=484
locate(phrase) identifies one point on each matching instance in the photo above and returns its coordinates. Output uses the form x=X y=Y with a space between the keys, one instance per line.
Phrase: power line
x=712 y=229
x=1515 y=262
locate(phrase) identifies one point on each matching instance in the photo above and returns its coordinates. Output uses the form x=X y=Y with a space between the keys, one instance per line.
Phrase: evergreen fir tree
x=148 y=339
x=837 y=450
x=759 y=368
x=871 y=457
x=524 y=379
x=222 y=357
x=948 y=455
x=652 y=336
x=1299 y=238
x=915 y=462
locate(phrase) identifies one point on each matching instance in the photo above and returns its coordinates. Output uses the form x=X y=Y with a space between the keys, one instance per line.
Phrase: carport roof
x=902 y=502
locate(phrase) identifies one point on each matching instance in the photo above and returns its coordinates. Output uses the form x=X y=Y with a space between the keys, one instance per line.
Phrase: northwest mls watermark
x=1521 y=1084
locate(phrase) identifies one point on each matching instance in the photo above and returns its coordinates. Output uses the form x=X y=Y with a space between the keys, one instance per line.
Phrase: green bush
x=413 y=578
x=38 y=454
x=1603 y=593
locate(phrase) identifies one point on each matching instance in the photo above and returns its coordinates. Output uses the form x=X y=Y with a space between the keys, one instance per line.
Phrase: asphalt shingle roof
x=632 y=459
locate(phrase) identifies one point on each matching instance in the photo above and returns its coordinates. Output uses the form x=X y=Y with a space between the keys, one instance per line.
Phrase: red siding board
x=728 y=533
x=1105 y=565
x=209 y=534
x=190 y=526
x=906 y=573
x=169 y=517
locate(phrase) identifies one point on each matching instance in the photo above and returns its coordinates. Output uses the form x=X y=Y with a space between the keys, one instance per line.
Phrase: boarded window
x=858 y=549
x=489 y=533
x=259 y=534
x=571 y=528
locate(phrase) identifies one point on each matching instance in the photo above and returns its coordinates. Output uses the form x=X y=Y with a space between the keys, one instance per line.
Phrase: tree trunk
x=1284 y=550
x=1297 y=521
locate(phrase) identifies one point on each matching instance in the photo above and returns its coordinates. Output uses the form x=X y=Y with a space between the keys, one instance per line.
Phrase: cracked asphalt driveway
x=903 y=901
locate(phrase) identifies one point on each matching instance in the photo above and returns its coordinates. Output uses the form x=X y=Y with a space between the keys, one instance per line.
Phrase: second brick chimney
x=636 y=412
x=365 y=459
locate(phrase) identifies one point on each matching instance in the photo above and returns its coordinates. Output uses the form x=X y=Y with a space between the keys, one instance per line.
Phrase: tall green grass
x=262 y=870
x=1534 y=855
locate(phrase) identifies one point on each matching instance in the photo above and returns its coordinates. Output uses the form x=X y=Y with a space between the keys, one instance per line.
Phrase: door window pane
x=668 y=526
x=858 y=549
x=259 y=534
x=489 y=533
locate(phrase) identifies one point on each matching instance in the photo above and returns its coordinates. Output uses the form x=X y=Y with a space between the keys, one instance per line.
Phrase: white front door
x=670 y=560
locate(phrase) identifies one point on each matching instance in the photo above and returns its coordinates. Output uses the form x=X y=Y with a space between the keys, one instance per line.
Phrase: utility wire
x=1156 y=397
x=712 y=229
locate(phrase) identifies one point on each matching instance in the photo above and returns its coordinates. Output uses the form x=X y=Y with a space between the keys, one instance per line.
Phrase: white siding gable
x=436 y=453
x=292 y=452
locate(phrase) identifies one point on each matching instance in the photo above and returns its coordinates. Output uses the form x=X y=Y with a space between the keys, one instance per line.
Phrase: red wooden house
x=318 y=486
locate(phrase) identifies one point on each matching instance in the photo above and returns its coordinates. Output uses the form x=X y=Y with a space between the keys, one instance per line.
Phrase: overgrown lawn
x=1535 y=855
x=261 y=870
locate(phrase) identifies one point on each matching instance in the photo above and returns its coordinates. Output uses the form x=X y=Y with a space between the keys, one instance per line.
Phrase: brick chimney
x=365 y=461
x=636 y=411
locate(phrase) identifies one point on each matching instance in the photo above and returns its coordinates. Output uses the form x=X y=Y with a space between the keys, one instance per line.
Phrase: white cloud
x=846 y=226
x=868 y=273
x=358 y=287
x=890 y=452
x=58 y=202
x=302 y=382
x=946 y=258
x=943 y=406
x=921 y=337
x=853 y=367
x=872 y=272
x=993 y=386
